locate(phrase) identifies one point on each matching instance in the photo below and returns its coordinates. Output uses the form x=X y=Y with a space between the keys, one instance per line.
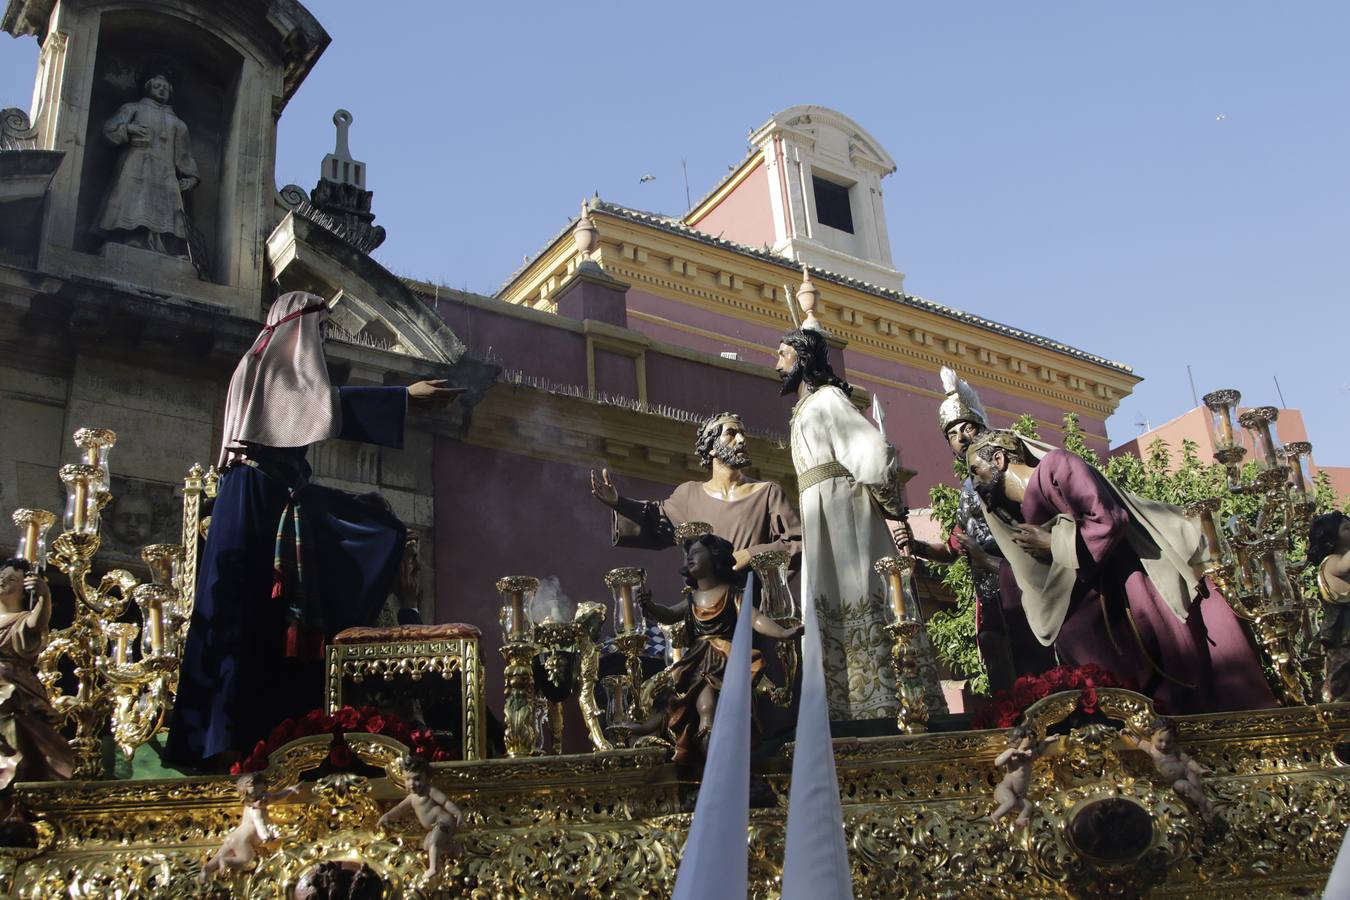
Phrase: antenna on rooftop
x=1195 y=397
x=1283 y=405
x=1142 y=423
x=688 y=203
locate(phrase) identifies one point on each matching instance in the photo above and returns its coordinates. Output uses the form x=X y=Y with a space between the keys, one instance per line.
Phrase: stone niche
x=204 y=73
x=232 y=67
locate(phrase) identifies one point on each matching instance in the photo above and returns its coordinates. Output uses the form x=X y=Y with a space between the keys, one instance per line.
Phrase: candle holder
x=777 y=602
x=33 y=525
x=630 y=627
x=1259 y=423
x=1279 y=619
x=519 y=649
x=81 y=520
x=903 y=628
x=1297 y=456
x=619 y=701
x=1216 y=555
x=1222 y=406
x=691 y=531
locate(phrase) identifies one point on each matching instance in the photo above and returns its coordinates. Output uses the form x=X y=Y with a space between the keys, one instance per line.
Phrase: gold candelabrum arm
x=116 y=687
x=1248 y=562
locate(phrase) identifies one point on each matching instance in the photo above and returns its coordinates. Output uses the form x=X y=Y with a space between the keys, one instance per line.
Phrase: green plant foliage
x=1152 y=476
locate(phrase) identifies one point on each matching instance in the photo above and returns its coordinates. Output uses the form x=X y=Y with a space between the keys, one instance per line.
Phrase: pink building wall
x=1194 y=426
x=911 y=418
x=744 y=215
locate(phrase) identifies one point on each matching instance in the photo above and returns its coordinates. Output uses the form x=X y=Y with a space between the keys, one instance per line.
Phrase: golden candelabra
x=904 y=627
x=120 y=682
x=777 y=602
x=630 y=629
x=1249 y=563
x=563 y=645
x=519 y=648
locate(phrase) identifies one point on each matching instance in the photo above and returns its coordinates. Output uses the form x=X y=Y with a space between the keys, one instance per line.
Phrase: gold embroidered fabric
x=823 y=472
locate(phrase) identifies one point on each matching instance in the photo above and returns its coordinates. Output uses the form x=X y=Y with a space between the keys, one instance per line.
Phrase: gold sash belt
x=823 y=472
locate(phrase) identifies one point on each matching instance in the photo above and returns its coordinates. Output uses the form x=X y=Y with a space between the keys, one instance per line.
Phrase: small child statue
x=241 y=845
x=1019 y=758
x=434 y=812
x=1175 y=765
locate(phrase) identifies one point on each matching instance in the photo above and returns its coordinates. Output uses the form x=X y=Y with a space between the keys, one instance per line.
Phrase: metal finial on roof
x=338 y=166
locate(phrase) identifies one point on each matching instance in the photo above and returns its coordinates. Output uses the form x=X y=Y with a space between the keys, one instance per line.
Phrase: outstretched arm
x=399 y=809
x=666 y=615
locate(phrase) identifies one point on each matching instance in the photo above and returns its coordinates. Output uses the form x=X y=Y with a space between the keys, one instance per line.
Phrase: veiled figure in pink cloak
x=1109 y=578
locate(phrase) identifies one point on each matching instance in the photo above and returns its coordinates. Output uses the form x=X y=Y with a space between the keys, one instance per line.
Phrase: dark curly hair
x=708 y=436
x=813 y=359
x=723 y=561
x=1324 y=536
x=19 y=563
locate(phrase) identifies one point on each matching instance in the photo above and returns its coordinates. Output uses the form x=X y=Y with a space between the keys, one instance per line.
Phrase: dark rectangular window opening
x=832 y=207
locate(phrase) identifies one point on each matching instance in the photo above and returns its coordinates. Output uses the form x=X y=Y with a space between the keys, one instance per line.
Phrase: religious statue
x=1006 y=645
x=847 y=477
x=266 y=600
x=1176 y=766
x=145 y=203
x=1019 y=759
x=1109 y=578
x=241 y=845
x=754 y=516
x=1329 y=551
x=709 y=614
x=435 y=812
x=31 y=747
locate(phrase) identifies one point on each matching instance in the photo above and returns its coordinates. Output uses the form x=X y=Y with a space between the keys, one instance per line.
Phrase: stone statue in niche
x=144 y=206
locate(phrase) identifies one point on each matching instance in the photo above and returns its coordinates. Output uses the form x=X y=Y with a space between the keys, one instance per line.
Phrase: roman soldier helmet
x=962 y=403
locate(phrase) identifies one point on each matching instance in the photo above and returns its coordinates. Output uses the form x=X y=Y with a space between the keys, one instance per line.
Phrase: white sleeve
x=856 y=442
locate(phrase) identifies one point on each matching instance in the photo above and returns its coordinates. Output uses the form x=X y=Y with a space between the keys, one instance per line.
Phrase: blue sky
x=1159 y=183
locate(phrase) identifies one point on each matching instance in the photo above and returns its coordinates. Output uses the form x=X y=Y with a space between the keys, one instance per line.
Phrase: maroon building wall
x=500 y=513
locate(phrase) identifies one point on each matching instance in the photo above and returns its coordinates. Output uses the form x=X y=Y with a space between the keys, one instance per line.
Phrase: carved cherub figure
x=1020 y=757
x=1174 y=764
x=434 y=812
x=241 y=845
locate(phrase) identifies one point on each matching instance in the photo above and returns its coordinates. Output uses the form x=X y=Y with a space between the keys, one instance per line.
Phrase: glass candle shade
x=1215 y=550
x=81 y=515
x=624 y=584
x=95 y=444
x=120 y=635
x=33 y=525
x=1222 y=406
x=164 y=561
x=902 y=605
x=1260 y=424
x=1273 y=579
x=517 y=591
x=1298 y=457
x=156 y=604
x=618 y=698
x=776 y=601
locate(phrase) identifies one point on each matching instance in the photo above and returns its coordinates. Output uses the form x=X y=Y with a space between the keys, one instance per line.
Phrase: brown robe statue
x=33 y=749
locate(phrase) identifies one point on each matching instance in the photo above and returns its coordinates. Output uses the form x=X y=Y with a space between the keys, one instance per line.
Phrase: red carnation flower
x=346 y=718
x=282 y=733
x=376 y=725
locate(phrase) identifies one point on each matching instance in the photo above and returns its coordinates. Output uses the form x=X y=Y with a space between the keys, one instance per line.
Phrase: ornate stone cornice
x=683 y=265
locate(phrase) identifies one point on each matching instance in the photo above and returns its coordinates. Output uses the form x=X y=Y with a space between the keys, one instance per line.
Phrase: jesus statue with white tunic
x=847 y=476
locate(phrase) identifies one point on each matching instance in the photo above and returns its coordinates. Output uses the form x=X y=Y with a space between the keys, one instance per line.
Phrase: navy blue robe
x=236 y=682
